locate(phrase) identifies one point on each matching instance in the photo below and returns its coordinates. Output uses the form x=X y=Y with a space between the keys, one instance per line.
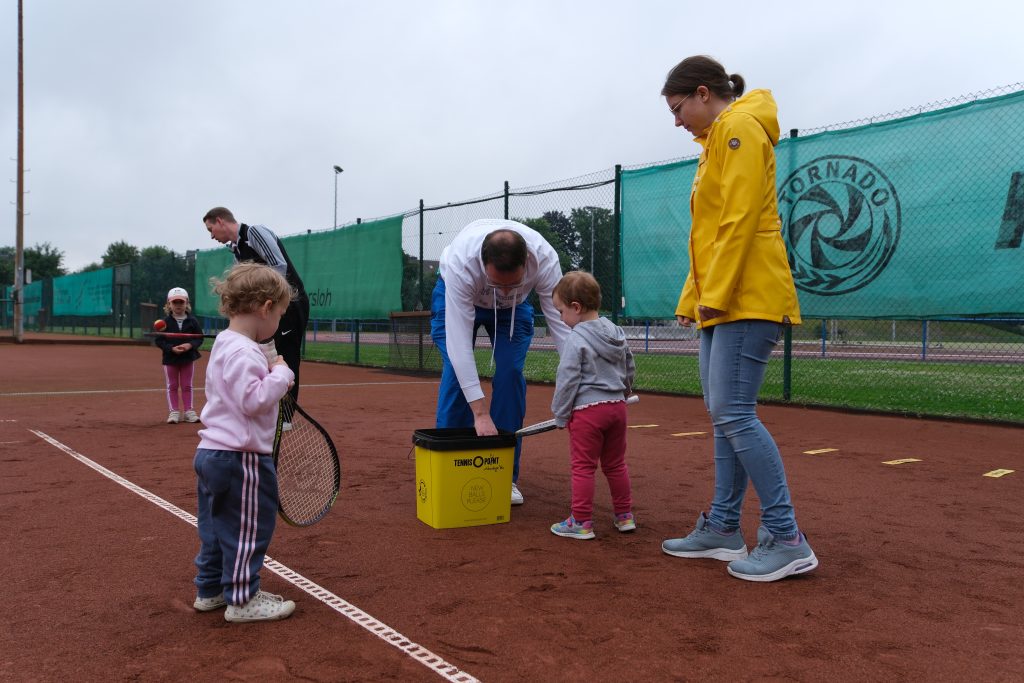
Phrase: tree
x=596 y=227
x=411 y=283
x=156 y=269
x=542 y=226
x=45 y=261
x=118 y=253
x=6 y=266
x=567 y=232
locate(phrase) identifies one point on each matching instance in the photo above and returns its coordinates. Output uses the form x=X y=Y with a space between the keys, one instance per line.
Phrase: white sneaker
x=190 y=416
x=209 y=604
x=173 y=417
x=517 y=497
x=264 y=607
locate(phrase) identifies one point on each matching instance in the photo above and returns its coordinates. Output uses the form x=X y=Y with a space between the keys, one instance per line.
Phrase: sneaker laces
x=762 y=550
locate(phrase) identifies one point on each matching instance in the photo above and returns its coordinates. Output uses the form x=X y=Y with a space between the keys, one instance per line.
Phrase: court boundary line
x=378 y=628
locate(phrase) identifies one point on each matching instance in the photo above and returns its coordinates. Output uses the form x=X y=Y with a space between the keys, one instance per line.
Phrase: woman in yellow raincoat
x=740 y=293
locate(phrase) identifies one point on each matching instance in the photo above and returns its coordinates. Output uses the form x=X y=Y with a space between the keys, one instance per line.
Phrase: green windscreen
x=351 y=272
x=920 y=217
x=87 y=294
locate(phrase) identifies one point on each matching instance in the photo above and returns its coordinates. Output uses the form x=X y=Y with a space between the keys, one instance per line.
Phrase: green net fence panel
x=84 y=294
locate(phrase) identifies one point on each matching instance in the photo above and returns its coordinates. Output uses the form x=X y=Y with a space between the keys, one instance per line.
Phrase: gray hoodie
x=596 y=365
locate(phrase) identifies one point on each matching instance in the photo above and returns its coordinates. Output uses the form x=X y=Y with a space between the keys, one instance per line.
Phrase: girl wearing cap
x=179 y=355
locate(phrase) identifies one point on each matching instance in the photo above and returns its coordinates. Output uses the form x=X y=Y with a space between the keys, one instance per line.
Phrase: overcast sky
x=141 y=115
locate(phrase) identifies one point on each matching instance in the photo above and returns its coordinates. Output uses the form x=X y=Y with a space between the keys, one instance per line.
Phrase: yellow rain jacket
x=737 y=257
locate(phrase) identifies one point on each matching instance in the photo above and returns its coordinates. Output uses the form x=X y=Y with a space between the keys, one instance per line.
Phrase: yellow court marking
x=997 y=473
x=821 y=450
x=641 y=426
x=689 y=433
x=901 y=461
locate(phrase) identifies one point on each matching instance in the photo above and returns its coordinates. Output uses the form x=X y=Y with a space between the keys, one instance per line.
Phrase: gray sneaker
x=772 y=560
x=703 y=541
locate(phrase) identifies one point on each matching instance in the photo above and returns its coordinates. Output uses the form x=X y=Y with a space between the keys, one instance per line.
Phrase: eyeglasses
x=178 y=301
x=505 y=287
x=675 y=110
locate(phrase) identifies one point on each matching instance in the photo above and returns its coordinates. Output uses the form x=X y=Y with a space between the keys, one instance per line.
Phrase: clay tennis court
x=920 y=575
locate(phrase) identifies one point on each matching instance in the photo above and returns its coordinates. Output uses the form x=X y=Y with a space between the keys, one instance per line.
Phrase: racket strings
x=307 y=471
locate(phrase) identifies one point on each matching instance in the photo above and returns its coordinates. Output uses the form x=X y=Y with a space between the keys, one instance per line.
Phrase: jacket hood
x=761 y=105
x=605 y=337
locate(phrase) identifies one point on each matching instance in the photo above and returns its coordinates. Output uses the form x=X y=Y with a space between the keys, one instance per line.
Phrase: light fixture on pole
x=337 y=172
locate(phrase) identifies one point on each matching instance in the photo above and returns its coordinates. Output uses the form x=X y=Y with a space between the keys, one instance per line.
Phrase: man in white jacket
x=486 y=275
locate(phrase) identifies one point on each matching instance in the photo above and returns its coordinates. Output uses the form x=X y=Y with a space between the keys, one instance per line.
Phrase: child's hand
x=180 y=348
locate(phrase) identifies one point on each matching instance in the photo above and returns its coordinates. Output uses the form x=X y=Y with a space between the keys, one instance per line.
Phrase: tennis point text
x=478 y=461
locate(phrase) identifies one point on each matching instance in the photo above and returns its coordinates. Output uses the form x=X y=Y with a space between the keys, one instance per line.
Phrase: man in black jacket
x=259 y=244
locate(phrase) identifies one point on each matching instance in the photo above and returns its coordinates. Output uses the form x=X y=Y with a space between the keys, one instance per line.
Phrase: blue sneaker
x=772 y=560
x=704 y=541
x=570 y=528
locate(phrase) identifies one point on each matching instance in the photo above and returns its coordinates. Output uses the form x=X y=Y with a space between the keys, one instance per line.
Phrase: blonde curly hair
x=247 y=286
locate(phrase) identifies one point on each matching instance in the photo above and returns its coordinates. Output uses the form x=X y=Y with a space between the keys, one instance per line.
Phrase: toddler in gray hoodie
x=595 y=375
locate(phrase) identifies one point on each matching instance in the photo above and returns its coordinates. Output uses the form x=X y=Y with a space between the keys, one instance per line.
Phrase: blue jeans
x=508 y=386
x=733 y=358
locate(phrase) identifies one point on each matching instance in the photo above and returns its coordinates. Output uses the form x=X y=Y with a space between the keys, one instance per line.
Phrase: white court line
x=383 y=631
x=162 y=389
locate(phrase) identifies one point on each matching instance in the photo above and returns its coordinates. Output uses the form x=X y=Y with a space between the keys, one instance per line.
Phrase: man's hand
x=484 y=426
x=482 y=421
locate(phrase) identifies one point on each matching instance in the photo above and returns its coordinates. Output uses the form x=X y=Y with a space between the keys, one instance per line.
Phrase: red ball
x=160 y=326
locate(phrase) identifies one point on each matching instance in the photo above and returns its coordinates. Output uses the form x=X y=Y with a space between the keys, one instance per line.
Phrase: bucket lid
x=460 y=439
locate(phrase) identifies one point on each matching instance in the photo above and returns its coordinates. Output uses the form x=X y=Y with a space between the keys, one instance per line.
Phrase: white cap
x=177 y=293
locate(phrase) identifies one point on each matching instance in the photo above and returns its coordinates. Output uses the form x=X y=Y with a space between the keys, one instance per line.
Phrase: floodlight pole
x=337 y=172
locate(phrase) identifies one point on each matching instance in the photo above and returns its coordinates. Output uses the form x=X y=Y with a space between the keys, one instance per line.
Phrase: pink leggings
x=598 y=435
x=179 y=376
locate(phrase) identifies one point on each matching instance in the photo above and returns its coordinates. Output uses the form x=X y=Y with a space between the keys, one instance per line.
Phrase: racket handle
x=270 y=351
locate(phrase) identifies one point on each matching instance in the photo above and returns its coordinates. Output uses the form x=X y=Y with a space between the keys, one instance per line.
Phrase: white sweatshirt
x=242 y=396
x=462 y=268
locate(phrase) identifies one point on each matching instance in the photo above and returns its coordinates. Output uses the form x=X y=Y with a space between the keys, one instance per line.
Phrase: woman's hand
x=708 y=313
x=683 y=320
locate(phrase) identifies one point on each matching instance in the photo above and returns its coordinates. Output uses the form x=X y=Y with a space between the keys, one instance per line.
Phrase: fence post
x=617 y=234
x=824 y=335
x=506 y=200
x=423 y=305
x=787 y=339
x=357 y=341
x=924 y=340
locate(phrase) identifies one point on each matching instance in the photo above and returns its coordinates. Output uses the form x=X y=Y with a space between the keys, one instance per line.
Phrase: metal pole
x=787 y=341
x=19 y=250
x=617 y=237
x=592 y=240
x=338 y=170
x=423 y=305
x=506 y=200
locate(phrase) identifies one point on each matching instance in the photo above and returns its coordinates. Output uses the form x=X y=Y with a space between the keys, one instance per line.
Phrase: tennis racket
x=548 y=425
x=308 y=470
x=178 y=335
